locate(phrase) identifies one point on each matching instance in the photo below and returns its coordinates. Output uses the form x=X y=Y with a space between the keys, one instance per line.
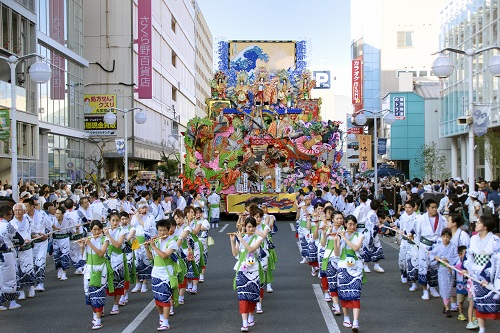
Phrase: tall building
x=204 y=61
x=117 y=44
x=471 y=24
x=50 y=115
x=395 y=53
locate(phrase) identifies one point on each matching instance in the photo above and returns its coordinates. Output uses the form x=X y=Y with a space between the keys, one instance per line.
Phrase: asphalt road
x=295 y=305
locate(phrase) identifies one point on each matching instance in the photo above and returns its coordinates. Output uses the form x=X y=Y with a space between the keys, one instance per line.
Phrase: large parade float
x=263 y=136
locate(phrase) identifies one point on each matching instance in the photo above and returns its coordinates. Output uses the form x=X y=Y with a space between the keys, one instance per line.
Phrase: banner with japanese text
x=357 y=81
x=144 y=50
x=95 y=106
x=365 y=149
x=4 y=125
x=58 y=79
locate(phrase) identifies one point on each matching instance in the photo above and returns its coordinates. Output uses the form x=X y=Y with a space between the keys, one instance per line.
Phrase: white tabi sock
x=181 y=298
x=482 y=330
x=115 y=307
x=347 y=319
x=245 y=323
x=453 y=305
x=190 y=285
x=259 y=306
x=355 y=323
x=250 y=317
x=162 y=317
x=97 y=321
x=164 y=322
x=94 y=315
x=336 y=307
x=194 y=288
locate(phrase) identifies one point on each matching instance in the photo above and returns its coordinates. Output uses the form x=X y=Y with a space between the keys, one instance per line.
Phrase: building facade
x=469 y=24
x=50 y=116
x=111 y=44
x=393 y=48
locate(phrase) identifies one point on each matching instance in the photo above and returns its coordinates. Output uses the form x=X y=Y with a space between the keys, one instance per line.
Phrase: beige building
x=111 y=36
x=204 y=61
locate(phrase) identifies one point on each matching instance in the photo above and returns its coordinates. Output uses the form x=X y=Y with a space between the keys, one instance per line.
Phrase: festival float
x=263 y=137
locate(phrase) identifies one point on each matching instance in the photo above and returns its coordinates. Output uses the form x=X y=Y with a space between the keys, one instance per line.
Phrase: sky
x=324 y=23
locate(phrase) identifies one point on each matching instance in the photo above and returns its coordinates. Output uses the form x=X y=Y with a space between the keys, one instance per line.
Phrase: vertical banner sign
x=481 y=117
x=399 y=107
x=365 y=149
x=382 y=146
x=144 y=51
x=120 y=146
x=357 y=81
x=58 y=79
x=4 y=125
x=277 y=179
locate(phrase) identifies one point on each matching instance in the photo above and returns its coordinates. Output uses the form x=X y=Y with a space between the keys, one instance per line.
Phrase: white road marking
x=223 y=228
x=292 y=226
x=331 y=324
x=140 y=317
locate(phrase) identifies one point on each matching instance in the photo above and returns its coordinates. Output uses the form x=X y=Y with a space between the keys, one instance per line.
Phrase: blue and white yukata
x=25 y=265
x=164 y=273
x=350 y=273
x=446 y=278
x=483 y=263
x=248 y=272
x=142 y=263
x=61 y=243
x=408 y=251
x=372 y=248
x=97 y=275
x=426 y=237
x=8 y=263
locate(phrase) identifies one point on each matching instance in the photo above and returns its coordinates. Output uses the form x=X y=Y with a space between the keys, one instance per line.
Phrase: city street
x=295 y=306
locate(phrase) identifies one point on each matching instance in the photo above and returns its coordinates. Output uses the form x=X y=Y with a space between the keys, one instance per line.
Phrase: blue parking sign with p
x=322 y=79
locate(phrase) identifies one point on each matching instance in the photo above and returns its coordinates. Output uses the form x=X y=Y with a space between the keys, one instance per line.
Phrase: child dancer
x=203 y=238
x=116 y=236
x=263 y=230
x=95 y=278
x=164 y=273
x=445 y=252
x=129 y=254
x=350 y=271
x=247 y=282
x=329 y=262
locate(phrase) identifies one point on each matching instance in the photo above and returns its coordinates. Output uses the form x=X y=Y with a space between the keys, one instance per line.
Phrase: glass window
x=404 y=39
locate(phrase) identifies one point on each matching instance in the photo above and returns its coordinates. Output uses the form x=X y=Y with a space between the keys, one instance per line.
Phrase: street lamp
x=443 y=67
x=359 y=118
x=110 y=119
x=40 y=72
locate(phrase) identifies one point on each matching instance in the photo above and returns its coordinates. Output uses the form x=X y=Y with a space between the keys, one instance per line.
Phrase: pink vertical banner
x=144 y=50
x=58 y=80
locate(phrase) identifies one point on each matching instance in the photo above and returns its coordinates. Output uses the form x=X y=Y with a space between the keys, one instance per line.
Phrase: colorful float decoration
x=263 y=134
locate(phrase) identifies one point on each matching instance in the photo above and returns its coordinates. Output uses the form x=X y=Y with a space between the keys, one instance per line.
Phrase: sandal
x=355 y=328
x=259 y=311
x=251 y=323
x=163 y=328
x=347 y=324
x=180 y=301
x=447 y=314
x=97 y=326
x=244 y=328
x=122 y=303
x=337 y=312
x=114 y=312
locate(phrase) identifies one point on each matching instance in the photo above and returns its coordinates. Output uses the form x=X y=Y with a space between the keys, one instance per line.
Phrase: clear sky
x=324 y=23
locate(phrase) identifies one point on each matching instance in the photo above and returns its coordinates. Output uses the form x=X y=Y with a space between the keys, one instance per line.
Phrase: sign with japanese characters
x=94 y=108
x=365 y=149
x=4 y=125
x=144 y=50
x=399 y=107
x=357 y=81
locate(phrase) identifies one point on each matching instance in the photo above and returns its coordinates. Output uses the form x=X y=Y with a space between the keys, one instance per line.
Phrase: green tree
x=171 y=167
x=430 y=162
x=491 y=152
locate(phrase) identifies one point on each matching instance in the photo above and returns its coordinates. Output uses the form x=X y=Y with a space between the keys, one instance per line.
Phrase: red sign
x=58 y=80
x=357 y=81
x=144 y=50
x=355 y=130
